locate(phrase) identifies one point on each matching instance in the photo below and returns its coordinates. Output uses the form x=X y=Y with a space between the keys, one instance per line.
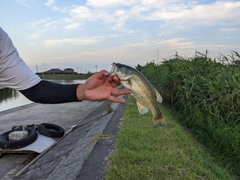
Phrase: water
x=10 y=98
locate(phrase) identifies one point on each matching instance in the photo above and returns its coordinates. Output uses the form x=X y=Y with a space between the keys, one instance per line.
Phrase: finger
x=117 y=92
x=110 y=78
x=114 y=84
x=117 y=100
x=113 y=78
x=102 y=74
x=115 y=81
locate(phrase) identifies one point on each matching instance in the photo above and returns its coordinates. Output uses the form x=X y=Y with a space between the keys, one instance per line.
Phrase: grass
x=144 y=152
x=206 y=94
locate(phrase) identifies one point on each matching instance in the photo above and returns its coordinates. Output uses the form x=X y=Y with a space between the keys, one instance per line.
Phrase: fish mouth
x=113 y=70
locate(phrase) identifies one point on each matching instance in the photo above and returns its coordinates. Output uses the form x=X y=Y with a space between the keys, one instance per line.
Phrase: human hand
x=101 y=87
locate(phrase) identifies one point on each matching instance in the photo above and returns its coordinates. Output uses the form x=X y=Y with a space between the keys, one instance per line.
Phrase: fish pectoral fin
x=126 y=84
x=158 y=96
x=127 y=78
x=142 y=109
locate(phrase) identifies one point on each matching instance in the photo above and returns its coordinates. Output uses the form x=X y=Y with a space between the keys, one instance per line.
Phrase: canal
x=10 y=98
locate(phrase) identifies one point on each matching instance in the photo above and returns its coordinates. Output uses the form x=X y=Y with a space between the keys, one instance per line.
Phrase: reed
x=206 y=93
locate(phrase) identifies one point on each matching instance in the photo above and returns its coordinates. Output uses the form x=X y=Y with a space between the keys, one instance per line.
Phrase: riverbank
x=64 y=76
x=148 y=153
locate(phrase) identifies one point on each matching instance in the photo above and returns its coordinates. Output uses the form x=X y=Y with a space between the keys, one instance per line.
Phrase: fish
x=147 y=97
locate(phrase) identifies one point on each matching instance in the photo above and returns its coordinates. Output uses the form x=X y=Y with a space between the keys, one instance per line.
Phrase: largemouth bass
x=146 y=95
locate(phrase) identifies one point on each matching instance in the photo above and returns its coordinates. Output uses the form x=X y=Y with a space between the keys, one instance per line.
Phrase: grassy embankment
x=163 y=153
x=204 y=98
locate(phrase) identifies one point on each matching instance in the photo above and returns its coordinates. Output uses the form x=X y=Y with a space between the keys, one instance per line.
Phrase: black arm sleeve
x=51 y=93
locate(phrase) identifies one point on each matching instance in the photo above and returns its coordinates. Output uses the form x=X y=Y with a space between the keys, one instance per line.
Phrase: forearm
x=51 y=93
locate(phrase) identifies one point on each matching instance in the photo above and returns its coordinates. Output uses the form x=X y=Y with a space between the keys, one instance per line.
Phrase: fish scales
x=142 y=90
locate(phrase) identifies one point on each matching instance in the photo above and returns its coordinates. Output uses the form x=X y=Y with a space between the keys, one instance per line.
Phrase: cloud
x=73 y=26
x=72 y=41
x=39 y=22
x=23 y=2
x=62 y=10
x=49 y=3
x=82 y=12
x=31 y=43
x=85 y=13
x=229 y=29
x=176 y=13
x=142 y=52
x=182 y=15
x=107 y=4
x=45 y=25
x=36 y=35
x=79 y=41
x=130 y=16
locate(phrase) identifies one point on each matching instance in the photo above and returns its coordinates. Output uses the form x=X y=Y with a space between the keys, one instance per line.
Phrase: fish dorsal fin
x=158 y=96
x=142 y=109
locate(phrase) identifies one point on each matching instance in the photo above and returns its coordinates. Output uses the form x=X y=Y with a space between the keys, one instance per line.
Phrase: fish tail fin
x=159 y=121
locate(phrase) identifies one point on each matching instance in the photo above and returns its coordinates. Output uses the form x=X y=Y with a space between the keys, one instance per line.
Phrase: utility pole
x=96 y=68
x=37 y=68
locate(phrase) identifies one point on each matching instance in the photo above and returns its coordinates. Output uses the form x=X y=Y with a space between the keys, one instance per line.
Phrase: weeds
x=206 y=93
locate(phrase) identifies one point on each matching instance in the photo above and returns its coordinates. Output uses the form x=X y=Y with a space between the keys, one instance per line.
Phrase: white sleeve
x=14 y=73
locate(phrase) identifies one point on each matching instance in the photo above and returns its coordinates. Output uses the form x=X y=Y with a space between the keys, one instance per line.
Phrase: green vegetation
x=162 y=153
x=206 y=94
x=63 y=76
x=202 y=106
x=7 y=93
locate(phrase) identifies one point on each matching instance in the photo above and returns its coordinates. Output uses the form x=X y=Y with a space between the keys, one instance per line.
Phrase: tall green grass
x=206 y=93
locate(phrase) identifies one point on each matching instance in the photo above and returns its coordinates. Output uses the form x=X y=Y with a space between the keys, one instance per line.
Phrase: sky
x=90 y=35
